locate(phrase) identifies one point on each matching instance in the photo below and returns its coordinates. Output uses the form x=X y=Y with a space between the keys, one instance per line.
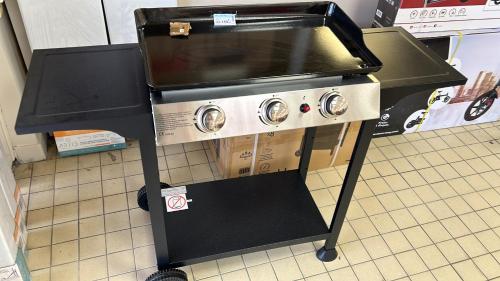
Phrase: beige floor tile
x=111 y=157
x=40 y=275
x=378 y=186
x=121 y=262
x=66 y=164
x=201 y=172
x=413 y=178
x=64 y=252
x=489 y=239
x=314 y=182
x=65 y=232
x=477 y=182
x=355 y=252
x=384 y=168
x=134 y=182
x=302 y=248
x=409 y=197
x=145 y=257
x=376 y=247
x=375 y=155
x=458 y=205
x=436 y=231
x=340 y=262
x=478 y=165
x=417 y=237
x=41 y=200
x=446 y=273
x=39 y=237
x=452 y=251
x=390 y=201
x=142 y=236
x=66 y=195
x=65 y=179
x=403 y=218
x=371 y=206
x=411 y=262
x=173 y=149
x=256 y=258
x=468 y=271
x=24 y=185
x=236 y=275
x=383 y=223
x=367 y=272
x=390 y=268
x=131 y=154
x=131 y=276
x=488 y=266
x=91 y=208
x=475 y=201
x=471 y=245
x=89 y=191
x=461 y=186
x=132 y=168
x=91 y=226
x=87 y=175
x=113 y=186
x=139 y=217
x=440 y=209
x=369 y=172
x=279 y=253
x=287 y=269
x=38 y=258
x=397 y=242
x=422 y=214
x=455 y=227
x=112 y=171
x=434 y=158
x=322 y=197
x=493 y=161
x=331 y=178
x=346 y=274
x=319 y=277
x=115 y=203
x=490 y=216
x=93 y=269
x=426 y=193
x=364 y=228
x=177 y=160
x=491 y=196
x=424 y=276
x=432 y=257
x=89 y=160
x=230 y=264
x=450 y=155
x=362 y=190
x=204 y=270
x=65 y=272
x=118 y=241
x=444 y=189
x=402 y=165
x=463 y=168
x=180 y=175
x=93 y=246
x=42 y=168
x=309 y=264
x=473 y=222
x=40 y=218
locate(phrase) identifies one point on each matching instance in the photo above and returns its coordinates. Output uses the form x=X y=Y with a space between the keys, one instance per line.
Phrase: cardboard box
x=79 y=142
x=426 y=17
x=257 y=154
x=334 y=145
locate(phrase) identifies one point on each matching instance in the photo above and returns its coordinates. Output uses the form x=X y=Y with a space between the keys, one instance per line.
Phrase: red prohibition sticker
x=176 y=202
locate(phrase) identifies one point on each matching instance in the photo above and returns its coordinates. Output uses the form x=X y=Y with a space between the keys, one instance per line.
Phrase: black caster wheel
x=168 y=275
x=326 y=255
x=142 y=197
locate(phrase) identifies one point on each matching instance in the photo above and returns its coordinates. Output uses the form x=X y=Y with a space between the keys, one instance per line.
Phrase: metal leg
x=307 y=148
x=328 y=252
x=155 y=201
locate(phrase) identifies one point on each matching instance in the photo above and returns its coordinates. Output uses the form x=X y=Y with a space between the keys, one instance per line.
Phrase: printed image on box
x=79 y=142
x=477 y=100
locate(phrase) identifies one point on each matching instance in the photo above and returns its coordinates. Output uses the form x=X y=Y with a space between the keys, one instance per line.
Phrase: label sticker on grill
x=224 y=19
x=175 y=198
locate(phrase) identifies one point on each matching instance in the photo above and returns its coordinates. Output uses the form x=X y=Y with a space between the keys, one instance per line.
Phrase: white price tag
x=224 y=19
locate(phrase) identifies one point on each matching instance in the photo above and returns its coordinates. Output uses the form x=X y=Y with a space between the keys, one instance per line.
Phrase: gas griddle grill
x=280 y=67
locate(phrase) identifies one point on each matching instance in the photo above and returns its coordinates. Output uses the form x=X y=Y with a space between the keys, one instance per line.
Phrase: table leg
x=328 y=252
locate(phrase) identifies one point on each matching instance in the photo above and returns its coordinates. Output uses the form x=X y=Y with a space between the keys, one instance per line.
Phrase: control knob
x=274 y=111
x=210 y=118
x=333 y=104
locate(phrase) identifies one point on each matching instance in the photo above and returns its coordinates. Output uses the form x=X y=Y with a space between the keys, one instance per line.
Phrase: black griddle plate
x=269 y=43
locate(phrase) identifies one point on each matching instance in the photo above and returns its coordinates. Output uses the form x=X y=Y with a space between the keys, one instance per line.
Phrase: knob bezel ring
x=323 y=104
x=264 y=108
x=199 y=117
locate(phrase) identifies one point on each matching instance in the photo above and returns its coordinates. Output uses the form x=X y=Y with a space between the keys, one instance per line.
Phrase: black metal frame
x=327 y=253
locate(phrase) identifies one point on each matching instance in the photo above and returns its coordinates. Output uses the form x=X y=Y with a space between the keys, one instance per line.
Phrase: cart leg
x=328 y=252
x=307 y=148
x=155 y=202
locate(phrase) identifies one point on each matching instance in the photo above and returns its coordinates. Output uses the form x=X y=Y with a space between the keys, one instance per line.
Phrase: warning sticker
x=175 y=198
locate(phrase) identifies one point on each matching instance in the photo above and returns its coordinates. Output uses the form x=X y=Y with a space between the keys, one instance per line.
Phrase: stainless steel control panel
x=243 y=115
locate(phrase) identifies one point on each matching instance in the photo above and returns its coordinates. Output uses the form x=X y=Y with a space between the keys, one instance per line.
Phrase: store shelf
x=242 y=215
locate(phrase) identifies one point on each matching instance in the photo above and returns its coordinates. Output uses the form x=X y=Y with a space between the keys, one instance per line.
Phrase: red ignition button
x=304 y=108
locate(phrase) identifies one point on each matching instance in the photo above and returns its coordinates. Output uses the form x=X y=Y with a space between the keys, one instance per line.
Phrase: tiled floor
x=426 y=208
